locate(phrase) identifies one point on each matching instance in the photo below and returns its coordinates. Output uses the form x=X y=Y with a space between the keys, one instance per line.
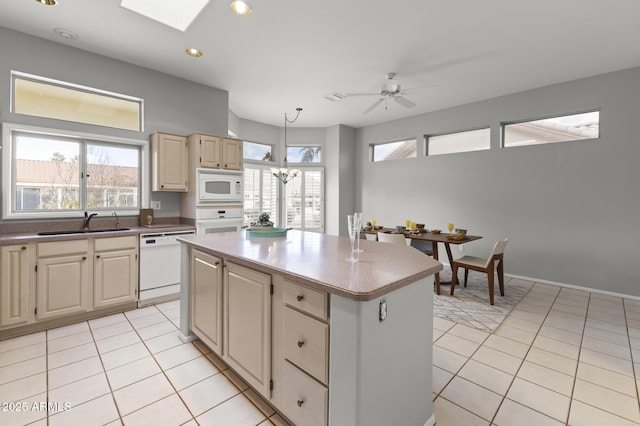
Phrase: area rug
x=470 y=306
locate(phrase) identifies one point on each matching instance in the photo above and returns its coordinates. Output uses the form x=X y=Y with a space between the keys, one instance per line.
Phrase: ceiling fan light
x=240 y=7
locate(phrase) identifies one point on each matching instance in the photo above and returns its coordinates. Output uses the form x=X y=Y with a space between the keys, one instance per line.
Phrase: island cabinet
x=14 y=285
x=324 y=341
x=247 y=325
x=206 y=308
x=115 y=271
x=168 y=162
x=62 y=274
x=305 y=354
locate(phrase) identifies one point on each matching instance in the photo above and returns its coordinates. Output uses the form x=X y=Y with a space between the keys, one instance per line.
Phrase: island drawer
x=306 y=343
x=305 y=299
x=305 y=401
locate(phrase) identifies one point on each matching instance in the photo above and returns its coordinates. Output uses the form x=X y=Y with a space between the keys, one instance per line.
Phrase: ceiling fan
x=390 y=90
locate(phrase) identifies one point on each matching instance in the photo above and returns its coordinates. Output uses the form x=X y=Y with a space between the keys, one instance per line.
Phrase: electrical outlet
x=382 y=310
x=156 y=205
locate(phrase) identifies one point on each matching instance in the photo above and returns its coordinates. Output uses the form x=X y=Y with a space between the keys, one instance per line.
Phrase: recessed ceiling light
x=240 y=7
x=68 y=34
x=47 y=2
x=192 y=51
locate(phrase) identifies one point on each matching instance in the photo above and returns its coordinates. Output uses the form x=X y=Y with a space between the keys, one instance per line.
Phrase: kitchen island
x=324 y=340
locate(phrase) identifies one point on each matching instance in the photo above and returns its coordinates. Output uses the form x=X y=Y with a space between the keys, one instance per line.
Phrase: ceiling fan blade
x=361 y=94
x=371 y=108
x=404 y=101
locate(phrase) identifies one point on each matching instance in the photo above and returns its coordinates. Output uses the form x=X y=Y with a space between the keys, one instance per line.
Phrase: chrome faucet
x=87 y=219
x=117 y=222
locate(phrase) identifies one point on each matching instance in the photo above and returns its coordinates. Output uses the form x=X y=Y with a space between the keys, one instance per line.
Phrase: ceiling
x=291 y=53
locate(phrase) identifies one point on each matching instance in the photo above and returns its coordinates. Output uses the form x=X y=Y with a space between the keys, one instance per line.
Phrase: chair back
x=371 y=237
x=391 y=238
x=498 y=249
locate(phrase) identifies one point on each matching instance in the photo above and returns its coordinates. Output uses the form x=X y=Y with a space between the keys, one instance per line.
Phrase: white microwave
x=219 y=187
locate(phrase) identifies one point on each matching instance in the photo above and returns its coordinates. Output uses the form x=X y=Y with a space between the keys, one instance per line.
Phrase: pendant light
x=283 y=173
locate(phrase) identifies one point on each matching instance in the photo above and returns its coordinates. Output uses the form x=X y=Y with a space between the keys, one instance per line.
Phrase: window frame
x=8 y=169
x=300 y=164
x=504 y=124
x=75 y=87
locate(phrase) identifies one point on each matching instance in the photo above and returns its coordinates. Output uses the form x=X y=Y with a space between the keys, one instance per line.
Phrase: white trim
x=7 y=156
x=431 y=421
x=575 y=287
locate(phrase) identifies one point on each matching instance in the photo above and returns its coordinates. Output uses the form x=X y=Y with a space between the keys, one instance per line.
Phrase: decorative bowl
x=461 y=232
x=435 y=231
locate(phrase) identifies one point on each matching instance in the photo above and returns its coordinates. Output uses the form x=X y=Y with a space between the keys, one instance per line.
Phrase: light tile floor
x=129 y=368
x=561 y=357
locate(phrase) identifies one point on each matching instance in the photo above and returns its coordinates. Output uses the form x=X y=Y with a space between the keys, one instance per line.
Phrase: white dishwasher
x=159 y=266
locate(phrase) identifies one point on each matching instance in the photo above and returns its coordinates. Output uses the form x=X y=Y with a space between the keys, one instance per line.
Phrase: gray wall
x=570 y=210
x=170 y=104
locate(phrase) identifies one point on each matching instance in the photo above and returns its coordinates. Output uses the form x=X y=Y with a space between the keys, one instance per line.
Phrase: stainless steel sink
x=82 y=231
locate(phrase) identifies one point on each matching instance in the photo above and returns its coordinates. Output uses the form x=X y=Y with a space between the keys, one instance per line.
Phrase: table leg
x=437 y=277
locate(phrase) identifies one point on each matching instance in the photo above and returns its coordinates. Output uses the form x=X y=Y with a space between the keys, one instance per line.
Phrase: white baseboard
x=431 y=421
x=575 y=287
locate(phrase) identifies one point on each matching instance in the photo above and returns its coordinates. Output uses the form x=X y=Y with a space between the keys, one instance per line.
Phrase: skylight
x=175 y=14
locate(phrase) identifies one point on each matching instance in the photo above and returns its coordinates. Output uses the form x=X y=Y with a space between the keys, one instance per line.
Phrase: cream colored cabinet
x=215 y=152
x=206 y=308
x=14 y=286
x=168 y=162
x=231 y=154
x=247 y=325
x=62 y=276
x=115 y=271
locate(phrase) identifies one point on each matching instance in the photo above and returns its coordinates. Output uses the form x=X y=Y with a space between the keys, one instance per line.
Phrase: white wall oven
x=211 y=220
x=216 y=187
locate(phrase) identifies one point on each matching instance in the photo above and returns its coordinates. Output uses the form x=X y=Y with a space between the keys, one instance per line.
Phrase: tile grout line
x=515 y=375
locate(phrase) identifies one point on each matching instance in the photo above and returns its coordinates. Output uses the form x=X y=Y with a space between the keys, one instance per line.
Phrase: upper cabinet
x=215 y=152
x=168 y=162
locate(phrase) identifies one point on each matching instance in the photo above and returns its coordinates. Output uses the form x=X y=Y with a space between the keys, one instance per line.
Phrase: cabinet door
x=169 y=162
x=14 y=285
x=232 y=154
x=62 y=286
x=247 y=314
x=115 y=277
x=206 y=308
x=210 y=151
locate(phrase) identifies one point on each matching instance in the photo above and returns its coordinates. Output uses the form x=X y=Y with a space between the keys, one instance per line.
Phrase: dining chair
x=391 y=238
x=493 y=262
x=371 y=237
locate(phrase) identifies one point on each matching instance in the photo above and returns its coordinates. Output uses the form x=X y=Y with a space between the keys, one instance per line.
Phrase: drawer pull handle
x=300 y=402
x=299 y=298
x=300 y=343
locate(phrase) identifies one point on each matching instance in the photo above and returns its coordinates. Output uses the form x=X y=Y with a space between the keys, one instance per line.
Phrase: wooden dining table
x=443 y=238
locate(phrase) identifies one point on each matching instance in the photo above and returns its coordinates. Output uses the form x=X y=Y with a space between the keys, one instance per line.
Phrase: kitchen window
x=304 y=154
x=304 y=198
x=394 y=150
x=60 y=174
x=257 y=151
x=260 y=194
x=44 y=97
x=563 y=128
x=450 y=143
